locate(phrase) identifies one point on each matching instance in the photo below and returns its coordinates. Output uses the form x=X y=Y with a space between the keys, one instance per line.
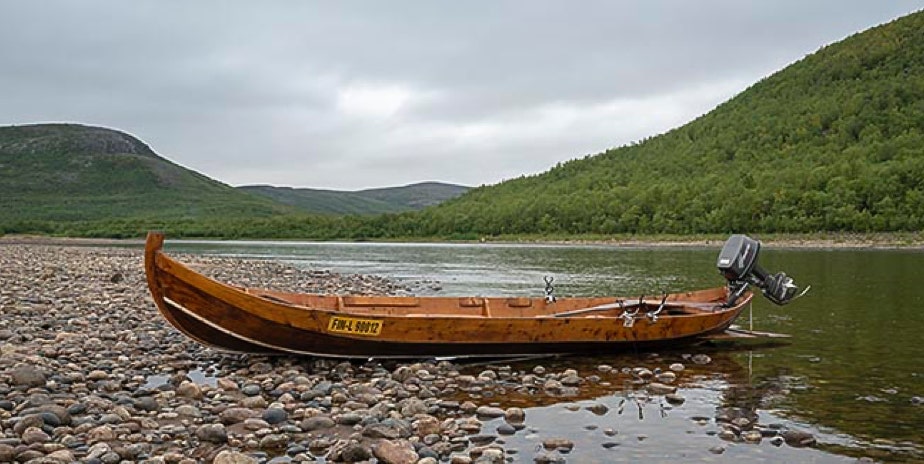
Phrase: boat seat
x=476 y=302
x=370 y=301
x=442 y=315
x=519 y=302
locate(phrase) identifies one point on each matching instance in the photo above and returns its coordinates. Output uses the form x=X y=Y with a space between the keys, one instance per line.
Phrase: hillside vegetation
x=71 y=179
x=54 y=174
x=834 y=142
x=364 y=202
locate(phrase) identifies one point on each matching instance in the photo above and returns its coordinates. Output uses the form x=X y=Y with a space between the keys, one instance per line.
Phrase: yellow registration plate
x=349 y=325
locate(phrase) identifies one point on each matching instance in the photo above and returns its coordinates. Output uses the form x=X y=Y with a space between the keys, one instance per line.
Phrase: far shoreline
x=872 y=241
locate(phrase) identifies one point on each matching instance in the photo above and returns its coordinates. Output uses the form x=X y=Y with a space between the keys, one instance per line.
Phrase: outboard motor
x=738 y=263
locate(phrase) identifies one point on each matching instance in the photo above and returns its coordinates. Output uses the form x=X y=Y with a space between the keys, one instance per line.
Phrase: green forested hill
x=833 y=142
x=370 y=201
x=416 y=196
x=61 y=173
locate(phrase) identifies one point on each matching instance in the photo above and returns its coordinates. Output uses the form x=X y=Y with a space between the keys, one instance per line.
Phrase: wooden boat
x=252 y=320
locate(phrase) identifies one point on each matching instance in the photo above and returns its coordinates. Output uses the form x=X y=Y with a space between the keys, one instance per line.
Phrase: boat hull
x=241 y=320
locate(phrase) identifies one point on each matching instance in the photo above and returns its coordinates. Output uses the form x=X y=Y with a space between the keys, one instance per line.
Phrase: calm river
x=852 y=375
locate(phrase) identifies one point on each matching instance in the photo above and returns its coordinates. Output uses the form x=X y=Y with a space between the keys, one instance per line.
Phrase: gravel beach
x=89 y=372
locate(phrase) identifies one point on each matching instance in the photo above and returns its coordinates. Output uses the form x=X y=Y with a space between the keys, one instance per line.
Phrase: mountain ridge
x=378 y=200
x=74 y=177
x=73 y=172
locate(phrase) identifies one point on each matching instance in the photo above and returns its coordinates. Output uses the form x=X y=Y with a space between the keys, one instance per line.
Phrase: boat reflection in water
x=669 y=406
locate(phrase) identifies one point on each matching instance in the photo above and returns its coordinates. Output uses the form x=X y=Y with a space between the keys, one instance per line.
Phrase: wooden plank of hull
x=232 y=319
x=214 y=337
x=187 y=324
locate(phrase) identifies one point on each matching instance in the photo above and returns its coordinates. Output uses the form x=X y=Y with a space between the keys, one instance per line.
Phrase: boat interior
x=707 y=301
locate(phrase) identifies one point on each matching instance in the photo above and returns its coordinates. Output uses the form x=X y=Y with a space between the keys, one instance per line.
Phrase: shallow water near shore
x=852 y=375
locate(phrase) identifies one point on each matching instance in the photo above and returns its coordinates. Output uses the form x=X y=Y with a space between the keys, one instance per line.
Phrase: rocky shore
x=89 y=372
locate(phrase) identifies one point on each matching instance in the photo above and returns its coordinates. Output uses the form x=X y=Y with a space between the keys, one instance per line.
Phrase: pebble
x=701 y=359
x=316 y=423
x=666 y=377
x=27 y=376
x=482 y=440
x=506 y=429
x=235 y=415
x=798 y=439
x=489 y=412
x=598 y=409
x=752 y=436
x=355 y=452
x=545 y=457
x=233 y=457
x=189 y=390
x=275 y=415
x=514 y=415
x=7 y=453
x=656 y=388
x=251 y=390
x=558 y=444
x=395 y=452
x=214 y=433
x=33 y=435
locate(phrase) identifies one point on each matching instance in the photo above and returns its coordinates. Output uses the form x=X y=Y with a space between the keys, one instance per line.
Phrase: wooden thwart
x=373 y=301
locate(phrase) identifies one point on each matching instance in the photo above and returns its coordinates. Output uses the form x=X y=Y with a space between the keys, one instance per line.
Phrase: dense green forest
x=834 y=142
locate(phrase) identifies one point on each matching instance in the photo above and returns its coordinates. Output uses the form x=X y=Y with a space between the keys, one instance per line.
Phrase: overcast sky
x=357 y=94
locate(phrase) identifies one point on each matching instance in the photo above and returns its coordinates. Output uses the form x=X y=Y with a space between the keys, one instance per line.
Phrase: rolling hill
x=52 y=173
x=370 y=201
x=73 y=179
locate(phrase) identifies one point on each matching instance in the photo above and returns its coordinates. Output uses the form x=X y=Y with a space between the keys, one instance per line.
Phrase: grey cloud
x=355 y=94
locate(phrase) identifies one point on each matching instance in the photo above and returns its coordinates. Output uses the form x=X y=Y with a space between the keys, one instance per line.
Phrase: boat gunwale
x=690 y=308
x=242 y=292
x=457 y=349
x=159 y=264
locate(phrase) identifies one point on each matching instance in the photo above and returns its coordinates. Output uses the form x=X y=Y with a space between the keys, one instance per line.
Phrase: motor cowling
x=738 y=263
